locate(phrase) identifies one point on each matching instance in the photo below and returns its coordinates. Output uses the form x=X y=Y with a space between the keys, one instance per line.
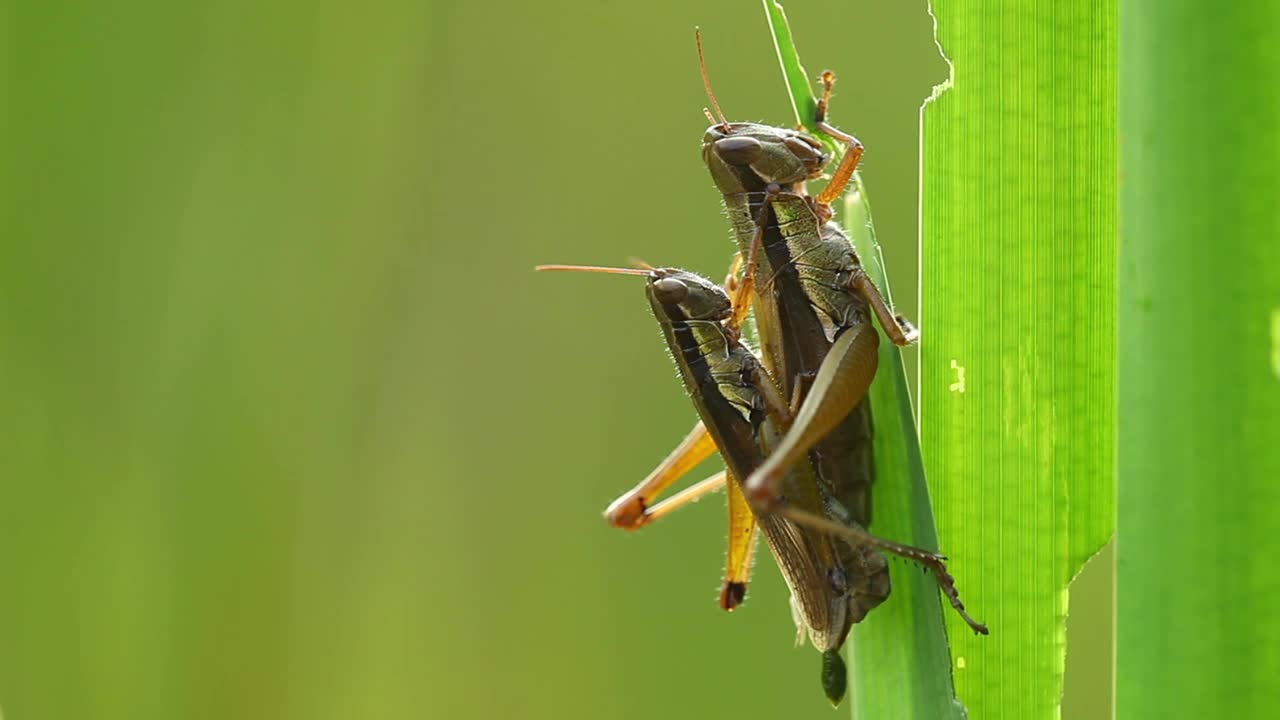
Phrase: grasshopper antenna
x=592 y=268
x=706 y=82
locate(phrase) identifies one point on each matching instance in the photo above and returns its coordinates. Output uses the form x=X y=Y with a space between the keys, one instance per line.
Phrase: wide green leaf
x=1199 y=318
x=1017 y=387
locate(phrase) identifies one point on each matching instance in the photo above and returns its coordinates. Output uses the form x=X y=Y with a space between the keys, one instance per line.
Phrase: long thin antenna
x=593 y=268
x=706 y=79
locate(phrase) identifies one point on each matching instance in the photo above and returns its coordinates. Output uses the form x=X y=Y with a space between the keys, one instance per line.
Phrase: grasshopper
x=813 y=304
x=800 y=473
x=837 y=574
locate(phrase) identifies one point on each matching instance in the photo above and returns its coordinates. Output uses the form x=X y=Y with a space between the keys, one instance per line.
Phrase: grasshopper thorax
x=746 y=157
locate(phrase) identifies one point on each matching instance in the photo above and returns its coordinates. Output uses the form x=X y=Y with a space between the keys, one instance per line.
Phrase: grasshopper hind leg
x=633 y=509
x=932 y=561
x=637 y=508
x=841 y=383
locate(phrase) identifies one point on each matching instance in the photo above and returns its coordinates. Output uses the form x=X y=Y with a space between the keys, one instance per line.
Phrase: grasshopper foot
x=732 y=594
x=910 y=333
x=948 y=585
x=628 y=513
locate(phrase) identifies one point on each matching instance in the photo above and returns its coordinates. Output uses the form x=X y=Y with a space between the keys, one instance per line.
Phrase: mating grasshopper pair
x=798 y=471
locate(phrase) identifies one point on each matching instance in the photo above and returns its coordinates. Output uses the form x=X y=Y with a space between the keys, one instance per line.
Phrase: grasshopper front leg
x=853 y=153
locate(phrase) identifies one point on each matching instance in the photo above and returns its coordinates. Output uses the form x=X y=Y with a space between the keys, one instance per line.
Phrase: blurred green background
x=291 y=429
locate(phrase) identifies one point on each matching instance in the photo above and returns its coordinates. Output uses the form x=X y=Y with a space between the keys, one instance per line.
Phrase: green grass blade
x=1199 y=318
x=799 y=88
x=1018 y=359
x=899 y=659
x=803 y=103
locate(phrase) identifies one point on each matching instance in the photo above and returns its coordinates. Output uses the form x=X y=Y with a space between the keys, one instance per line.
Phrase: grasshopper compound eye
x=670 y=291
x=739 y=150
x=804 y=149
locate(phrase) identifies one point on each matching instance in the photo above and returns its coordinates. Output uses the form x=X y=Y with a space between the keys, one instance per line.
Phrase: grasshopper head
x=744 y=157
x=693 y=296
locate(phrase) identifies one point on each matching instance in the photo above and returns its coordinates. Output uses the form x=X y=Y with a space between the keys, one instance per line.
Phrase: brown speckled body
x=801 y=305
